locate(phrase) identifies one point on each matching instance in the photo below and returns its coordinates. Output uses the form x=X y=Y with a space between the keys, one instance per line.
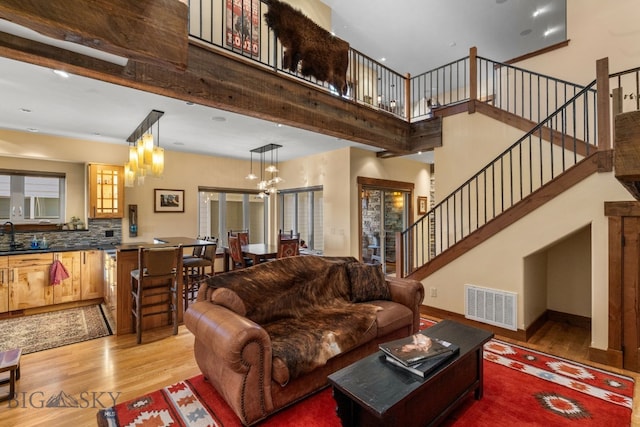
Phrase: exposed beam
x=144 y=30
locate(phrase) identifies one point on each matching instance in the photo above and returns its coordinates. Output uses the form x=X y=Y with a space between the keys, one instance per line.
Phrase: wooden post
x=473 y=79
x=602 y=103
x=400 y=255
x=407 y=97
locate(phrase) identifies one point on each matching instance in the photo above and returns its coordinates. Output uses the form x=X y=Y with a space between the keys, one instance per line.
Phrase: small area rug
x=521 y=387
x=43 y=331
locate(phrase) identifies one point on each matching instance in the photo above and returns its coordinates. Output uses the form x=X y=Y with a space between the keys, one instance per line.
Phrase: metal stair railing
x=531 y=162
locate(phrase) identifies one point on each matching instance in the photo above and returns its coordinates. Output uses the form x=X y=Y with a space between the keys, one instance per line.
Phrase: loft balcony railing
x=239 y=27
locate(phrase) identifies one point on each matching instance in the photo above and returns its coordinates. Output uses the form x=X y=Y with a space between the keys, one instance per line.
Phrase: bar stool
x=195 y=271
x=155 y=284
x=10 y=361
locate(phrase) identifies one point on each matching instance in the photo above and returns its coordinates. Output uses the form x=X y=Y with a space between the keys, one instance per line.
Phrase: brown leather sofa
x=269 y=335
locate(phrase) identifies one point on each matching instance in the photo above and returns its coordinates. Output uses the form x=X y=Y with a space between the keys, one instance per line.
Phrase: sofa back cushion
x=368 y=282
x=286 y=287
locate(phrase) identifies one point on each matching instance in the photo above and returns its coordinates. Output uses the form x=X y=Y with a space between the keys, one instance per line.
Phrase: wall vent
x=491 y=306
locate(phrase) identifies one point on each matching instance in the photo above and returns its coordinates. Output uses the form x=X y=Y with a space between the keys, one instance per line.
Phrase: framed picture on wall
x=168 y=200
x=423 y=206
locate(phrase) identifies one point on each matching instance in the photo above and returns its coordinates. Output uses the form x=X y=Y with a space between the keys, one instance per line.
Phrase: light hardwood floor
x=95 y=372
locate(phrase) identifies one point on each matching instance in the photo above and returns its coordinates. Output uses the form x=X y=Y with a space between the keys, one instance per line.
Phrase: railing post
x=407 y=97
x=602 y=103
x=399 y=254
x=473 y=79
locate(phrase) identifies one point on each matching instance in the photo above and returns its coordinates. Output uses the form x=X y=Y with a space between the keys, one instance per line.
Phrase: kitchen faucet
x=12 y=243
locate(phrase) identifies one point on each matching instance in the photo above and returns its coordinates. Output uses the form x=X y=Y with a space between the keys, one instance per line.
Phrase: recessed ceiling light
x=525 y=32
x=279 y=125
x=61 y=73
x=25 y=110
x=500 y=1
x=383 y=59
x=452 y=44
x=218 y=119
x=34 y=130
x=178 y=143
x=189 y=103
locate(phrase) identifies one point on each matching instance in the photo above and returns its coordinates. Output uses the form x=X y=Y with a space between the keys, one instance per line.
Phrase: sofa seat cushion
x=302 y=344
x=392 y=316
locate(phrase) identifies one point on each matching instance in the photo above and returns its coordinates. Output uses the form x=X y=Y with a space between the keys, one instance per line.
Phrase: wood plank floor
x=98 y=371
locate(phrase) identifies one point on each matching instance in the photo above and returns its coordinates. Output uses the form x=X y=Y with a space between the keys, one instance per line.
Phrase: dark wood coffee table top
x=378 y=386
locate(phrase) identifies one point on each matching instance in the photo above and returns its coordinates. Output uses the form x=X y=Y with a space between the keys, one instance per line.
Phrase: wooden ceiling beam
x=145 y=30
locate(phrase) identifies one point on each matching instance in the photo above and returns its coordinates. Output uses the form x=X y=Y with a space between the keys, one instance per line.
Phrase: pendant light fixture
x=145 y=157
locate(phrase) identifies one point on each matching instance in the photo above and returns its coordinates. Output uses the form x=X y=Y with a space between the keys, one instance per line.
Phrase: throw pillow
x=367 y=282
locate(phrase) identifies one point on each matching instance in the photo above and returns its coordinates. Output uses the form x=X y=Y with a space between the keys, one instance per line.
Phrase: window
x=301 y=211
x=224 y=210
x=27 y=197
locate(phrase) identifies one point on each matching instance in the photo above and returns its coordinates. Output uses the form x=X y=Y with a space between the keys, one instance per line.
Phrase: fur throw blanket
x=304 y=303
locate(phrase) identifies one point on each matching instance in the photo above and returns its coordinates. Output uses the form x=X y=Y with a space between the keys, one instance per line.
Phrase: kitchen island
x=119 y=299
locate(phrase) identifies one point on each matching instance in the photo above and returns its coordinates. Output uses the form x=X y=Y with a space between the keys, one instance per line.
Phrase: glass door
x=383 y=213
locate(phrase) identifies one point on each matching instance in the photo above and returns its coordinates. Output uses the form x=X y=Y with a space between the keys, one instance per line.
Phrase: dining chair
x=195 y=271
x=154 y=286
x=243 y=235
x=288 y=247
x=235 y=251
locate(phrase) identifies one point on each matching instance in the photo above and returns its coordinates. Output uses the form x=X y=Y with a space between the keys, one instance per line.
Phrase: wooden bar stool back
x=154 y=285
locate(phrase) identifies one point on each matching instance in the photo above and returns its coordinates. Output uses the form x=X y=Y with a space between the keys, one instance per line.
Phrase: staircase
x=559 y=151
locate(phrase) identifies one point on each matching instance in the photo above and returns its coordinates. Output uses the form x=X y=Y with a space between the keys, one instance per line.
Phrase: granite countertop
x=158 y=242
x=4 y=249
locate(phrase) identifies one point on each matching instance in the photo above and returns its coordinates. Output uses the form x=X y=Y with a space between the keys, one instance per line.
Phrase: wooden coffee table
x=371 y=392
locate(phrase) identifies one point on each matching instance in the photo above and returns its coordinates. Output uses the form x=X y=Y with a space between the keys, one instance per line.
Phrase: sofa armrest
x=234 y=354
x=410 y=293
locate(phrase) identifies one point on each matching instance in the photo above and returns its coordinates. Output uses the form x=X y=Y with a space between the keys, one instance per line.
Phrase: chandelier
x=268 y=174
x=145 y=157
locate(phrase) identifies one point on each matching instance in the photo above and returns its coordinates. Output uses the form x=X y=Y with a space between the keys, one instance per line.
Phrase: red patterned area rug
x=521 y=387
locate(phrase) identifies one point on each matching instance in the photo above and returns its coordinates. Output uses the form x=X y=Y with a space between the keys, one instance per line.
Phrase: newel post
x=473 y=79
x=602 y=103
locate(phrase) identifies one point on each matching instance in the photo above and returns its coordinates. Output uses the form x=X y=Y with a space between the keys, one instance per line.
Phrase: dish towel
x=57 y=273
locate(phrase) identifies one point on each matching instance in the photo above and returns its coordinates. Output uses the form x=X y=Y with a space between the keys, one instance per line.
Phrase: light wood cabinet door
x=69 y=289
x=4 y=284
x=92 y=275
x=106 y=191
x=29 y=281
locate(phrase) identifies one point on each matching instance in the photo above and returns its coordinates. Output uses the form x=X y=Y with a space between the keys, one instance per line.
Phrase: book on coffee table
x=417 y=348
x=424 y=368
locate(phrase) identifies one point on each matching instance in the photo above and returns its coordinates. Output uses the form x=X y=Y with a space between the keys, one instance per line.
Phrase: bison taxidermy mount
x=308 y=46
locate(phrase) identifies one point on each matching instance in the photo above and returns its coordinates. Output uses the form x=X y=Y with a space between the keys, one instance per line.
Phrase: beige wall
x=596 y=30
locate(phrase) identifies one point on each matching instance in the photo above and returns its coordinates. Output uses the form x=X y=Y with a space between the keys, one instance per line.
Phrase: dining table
x=257 y=252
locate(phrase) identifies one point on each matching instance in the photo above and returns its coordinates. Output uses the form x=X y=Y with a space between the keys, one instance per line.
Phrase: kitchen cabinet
x=4 y=284
x=106 y=191
x=68 y=289
x=29 y=281
x=91 y=274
